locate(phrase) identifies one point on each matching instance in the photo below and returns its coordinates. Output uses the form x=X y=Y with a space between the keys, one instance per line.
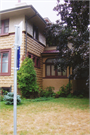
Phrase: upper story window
x=4 y=27
x=51 y=72
x=5 y=62
x=35 y=32
x=36 y=60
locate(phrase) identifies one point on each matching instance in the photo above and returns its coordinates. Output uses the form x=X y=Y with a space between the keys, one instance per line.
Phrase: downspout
x=26 y=20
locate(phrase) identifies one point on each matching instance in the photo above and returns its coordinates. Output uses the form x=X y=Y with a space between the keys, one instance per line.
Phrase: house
x=33 y=45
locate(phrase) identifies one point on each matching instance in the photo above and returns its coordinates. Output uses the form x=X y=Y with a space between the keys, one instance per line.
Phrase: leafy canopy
x=73 y=29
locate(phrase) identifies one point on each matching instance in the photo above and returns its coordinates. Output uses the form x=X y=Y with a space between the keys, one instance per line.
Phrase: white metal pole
x=15 y=82
x=15 y=90
x=18 y=42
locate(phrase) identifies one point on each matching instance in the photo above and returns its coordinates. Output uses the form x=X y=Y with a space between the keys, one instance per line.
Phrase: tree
x=73 y=28
x=26 y=78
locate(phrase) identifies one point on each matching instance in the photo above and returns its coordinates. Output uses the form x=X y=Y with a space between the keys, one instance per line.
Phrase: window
x=4 y=27
x=5 y=62
x=51 y=72
x=35 y=32
x=6 y=90
x=36 y=59
x=37 y=62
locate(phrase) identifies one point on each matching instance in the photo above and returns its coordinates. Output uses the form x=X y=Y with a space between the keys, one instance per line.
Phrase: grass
x=62 y=116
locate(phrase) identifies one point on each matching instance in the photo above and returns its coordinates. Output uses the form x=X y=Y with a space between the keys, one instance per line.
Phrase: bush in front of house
x=81 y=93
x=47 y=92
x=9 y=98
x=26 y=78
x=1 y=98
x=64 y=91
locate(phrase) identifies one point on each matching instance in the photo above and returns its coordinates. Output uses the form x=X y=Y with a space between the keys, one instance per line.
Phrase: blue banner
x=18 y=58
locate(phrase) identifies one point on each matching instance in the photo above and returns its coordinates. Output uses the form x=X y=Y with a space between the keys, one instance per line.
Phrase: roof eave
x=22 y=7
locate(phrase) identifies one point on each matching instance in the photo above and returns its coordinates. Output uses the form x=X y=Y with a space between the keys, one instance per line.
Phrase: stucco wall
x=56 y=83
x=15 y=20
x=30 y=28
x=41 y=37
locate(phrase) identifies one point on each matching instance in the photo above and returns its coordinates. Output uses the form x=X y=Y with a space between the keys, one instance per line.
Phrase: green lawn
x=61 y=116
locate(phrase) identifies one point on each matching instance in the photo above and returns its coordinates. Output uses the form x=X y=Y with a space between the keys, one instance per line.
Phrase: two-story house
x=33 y=45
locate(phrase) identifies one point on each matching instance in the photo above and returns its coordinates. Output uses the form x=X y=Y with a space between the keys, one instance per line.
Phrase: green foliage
x=1 y=97
x=26 y=78
x=74 y=96
x=81 y=93
x=9 y=98
x=64 y=91
x=48 y=92
x=69 y=95
x=3 y=92
x=81 y=96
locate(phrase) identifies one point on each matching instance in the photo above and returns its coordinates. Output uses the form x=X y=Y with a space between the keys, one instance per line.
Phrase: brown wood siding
x=5 y=43
x=35 y=48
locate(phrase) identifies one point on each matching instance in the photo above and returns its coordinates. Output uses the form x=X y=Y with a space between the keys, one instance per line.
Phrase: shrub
x=9 y=98
x=69 y=95
x=64 y=91
x=81 y=96
x=48 y=92
x=41 y=92
x=26 y=78
x=1 y=97
x=4 y=92
x=81 y=93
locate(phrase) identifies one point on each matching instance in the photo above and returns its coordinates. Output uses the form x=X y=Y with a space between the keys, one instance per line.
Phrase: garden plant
x=26 y=78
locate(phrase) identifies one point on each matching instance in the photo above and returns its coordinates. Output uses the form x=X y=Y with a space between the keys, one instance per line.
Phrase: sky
x=44 y=7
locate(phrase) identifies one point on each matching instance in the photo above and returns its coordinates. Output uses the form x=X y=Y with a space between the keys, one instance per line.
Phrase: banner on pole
x=18 y=58
x=18 y=34
x=18 y=41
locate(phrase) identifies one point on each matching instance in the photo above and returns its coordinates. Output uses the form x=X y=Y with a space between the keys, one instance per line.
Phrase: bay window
x=5 y=62
x=36 y=60
x=51 y=72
